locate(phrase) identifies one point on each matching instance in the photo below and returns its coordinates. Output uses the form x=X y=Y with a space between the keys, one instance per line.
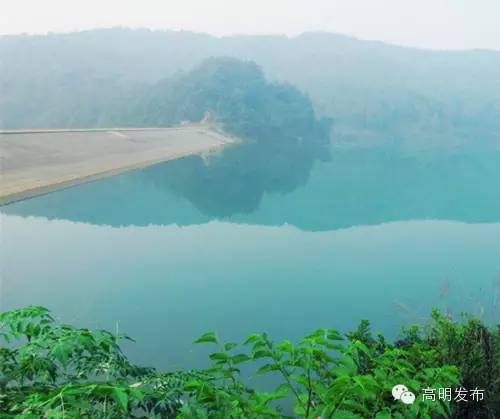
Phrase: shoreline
x=44 y=161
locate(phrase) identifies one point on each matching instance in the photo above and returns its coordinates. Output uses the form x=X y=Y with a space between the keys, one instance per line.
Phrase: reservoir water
x=225 y=243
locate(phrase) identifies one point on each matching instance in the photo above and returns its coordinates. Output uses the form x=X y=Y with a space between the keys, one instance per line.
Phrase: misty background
x=374 y=93
x=431 y=24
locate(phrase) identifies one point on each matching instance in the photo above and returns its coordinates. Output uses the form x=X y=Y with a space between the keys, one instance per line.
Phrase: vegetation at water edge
x=53 y=370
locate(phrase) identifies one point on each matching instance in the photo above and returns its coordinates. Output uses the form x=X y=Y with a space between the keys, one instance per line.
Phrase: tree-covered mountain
x=376 y=93
x=233 y=92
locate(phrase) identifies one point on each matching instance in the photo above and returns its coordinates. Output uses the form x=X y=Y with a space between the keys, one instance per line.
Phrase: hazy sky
x=441 y=24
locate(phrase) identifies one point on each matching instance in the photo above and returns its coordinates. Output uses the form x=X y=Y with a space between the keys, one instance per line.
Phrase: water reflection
x=235 y=181
x=295 y=186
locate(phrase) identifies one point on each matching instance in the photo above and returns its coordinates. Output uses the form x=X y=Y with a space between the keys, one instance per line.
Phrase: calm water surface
x=177 y=249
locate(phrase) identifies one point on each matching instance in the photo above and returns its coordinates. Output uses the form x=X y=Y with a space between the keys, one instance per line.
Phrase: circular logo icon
x=408 y=397
x=398 y=390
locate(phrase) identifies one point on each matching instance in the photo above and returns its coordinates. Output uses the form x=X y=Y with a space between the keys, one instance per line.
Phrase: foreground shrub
x=49 y=370
x=472 y=347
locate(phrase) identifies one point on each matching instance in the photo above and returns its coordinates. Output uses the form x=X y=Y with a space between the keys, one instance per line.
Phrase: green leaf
x=193 y=385
x=344 y=414
x=286 y=346
x=219 y=356
x=363 y=348
x=230 y=345
x=209 y=337
x=267 y=368
x=383 y=415
x=333 y=334
x=262 y=354
x=136 y=394
x=61 y=351
x=254 y=337
x=347 y=366
x=121 y=397
x=239 y=358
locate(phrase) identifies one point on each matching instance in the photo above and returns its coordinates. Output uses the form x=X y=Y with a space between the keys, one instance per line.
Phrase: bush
x=51 y=370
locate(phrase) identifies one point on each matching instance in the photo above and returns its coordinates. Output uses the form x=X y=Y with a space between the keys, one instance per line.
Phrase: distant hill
x=376 y=93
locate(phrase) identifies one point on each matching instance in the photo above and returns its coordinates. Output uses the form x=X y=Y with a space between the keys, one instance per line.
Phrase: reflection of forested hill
x=373 y=187
x=376 y=92
x=355 y=187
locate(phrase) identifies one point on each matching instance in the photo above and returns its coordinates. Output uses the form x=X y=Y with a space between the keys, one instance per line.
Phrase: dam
x=33 y=162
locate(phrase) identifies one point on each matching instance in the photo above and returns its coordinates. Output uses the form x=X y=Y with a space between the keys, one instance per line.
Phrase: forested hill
x=376 y=93
x=229 y=91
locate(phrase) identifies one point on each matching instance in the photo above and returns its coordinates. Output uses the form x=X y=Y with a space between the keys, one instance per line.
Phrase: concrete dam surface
x=38 y=161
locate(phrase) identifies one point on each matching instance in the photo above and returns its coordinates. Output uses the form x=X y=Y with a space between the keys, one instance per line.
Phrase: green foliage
x=323 y=376
x=52 y=370
x=237 y=95
x=472 y=347
x=49 y=370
